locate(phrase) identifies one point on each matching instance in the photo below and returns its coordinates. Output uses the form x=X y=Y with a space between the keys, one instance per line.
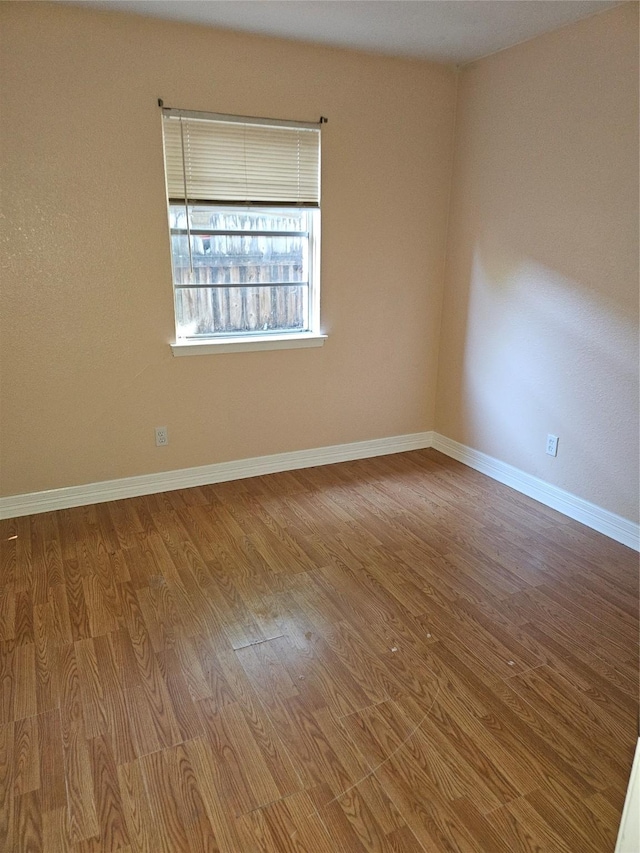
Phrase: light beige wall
x=540 y=320
x=539 y=327
x=87 y=372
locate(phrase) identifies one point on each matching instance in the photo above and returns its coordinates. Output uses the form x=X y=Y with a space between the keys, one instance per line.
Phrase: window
x=244 y=216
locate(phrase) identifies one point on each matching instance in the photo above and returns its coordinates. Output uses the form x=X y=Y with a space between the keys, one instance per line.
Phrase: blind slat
x=235 y=162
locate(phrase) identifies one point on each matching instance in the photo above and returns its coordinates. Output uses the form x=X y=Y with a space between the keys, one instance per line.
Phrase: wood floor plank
x=235 y=748
x=536 y=606
x=387 y=816
x=291 y=825
x=69 y=684
x=55 y=831
x=7 y=613
x=618 y=629
x=83 y=820
x=99 y=610
x=350 y=822
x=325 y=672
x=383 y=731
x=141 y=722
x=53 y=791
x=507 y=761
x=59 y=628
x=7 y=681
x=159 y=705
x=516 y=727
x=91 y=687
x=522 y=822
x=188 y=722
x=485 y=835
x=26 y=756
x=76 y=603
x=486 y=784
x=171 y=833
x=202 y=759
x=592 y=680
x=25 y=702
x=141 y=825
x=7 y=784
x=391 y=655
x=124 y=659
x=106 y=790
x=560 y=699
x=28 y=823
x=23 y=630
x=118 y=725
x=428 y=815
x=200 y=832
x=579 y=825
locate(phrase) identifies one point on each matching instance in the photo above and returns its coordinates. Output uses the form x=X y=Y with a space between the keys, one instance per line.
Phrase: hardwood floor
x=395 y=654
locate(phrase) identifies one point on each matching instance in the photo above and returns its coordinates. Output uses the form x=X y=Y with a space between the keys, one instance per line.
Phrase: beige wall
x=540 y=321
x=539 y=325
x=87 y=372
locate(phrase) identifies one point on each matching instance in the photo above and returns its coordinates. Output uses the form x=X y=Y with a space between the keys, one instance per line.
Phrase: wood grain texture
x=394 y=655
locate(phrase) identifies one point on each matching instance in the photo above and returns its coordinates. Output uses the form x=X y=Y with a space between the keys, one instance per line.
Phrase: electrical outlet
x=552 y=445
x=162 y=436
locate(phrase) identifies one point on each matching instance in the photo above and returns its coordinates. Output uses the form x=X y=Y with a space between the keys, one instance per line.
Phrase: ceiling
x=441 y=30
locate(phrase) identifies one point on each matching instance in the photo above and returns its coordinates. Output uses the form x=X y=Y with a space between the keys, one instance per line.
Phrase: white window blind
x=234 y=160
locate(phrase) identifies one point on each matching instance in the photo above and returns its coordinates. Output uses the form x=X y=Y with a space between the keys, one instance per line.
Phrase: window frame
x=241 y=340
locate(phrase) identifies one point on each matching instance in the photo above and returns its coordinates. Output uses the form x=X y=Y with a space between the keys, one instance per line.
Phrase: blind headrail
x=171 y=112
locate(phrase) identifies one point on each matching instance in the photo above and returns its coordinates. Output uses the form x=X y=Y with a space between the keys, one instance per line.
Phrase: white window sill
x=247 y=344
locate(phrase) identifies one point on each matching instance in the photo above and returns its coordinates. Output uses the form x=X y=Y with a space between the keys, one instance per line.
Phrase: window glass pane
x=213 y=310
x=269 y=247
x=236 y=258
x=239 y=218
x=224 y=259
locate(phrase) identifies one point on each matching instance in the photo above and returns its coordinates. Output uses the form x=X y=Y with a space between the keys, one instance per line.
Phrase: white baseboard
x=612 y=525
x=629 y=832
x=166 y=481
